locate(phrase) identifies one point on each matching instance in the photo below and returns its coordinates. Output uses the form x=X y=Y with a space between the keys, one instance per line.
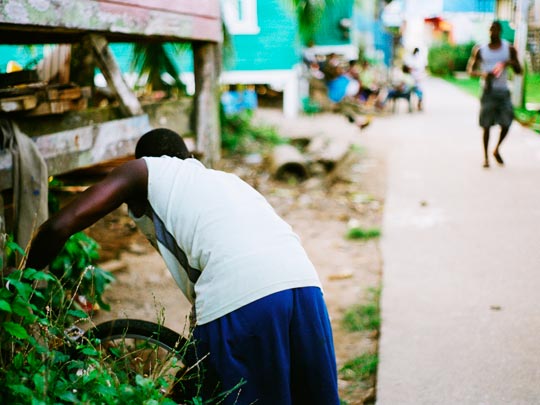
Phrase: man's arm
x=125 y=183
x=473 y=65
x=513 y=62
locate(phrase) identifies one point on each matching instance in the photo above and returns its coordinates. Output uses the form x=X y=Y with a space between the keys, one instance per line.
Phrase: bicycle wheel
x=138 y=347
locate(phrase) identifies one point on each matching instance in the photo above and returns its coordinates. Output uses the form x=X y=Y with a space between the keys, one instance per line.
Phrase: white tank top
x=223 y=243
x=490 y=57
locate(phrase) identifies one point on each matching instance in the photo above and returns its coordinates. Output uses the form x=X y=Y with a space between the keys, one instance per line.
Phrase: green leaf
x=15 y=330
x=18 y=361
x=5 y=293
x=106 y=390
x=59 y=357
x=4 y=306
x=25 y=290
x=21 y=390
x=140 y=380
x=39 y=382
x=69 y=396
x=77 y=313
x=13 y=247
x=28 y=273
x=91 y=376
x=116 y=352
x=41 y=276
x=89 y=351
x=22 y=308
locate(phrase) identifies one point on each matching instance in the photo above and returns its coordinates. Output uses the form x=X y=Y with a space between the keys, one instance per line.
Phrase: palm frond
x=153 y=60
x=308 y=15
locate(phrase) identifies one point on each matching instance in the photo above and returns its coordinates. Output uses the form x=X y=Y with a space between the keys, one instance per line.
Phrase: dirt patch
x=320 y=210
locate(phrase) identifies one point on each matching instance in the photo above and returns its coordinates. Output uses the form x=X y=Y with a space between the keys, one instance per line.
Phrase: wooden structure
x=101 y=21
x=85 y=137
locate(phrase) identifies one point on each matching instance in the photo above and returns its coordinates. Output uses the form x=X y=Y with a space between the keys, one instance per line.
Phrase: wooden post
x=128 y=101
x=2 y=237
x=83 y=63
x=207 y=66
x=520 y=43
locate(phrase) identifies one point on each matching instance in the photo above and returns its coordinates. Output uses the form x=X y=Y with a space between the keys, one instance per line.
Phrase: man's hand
x=498 y=69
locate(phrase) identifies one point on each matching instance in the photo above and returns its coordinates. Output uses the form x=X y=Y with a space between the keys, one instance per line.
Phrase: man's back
x=225 y=234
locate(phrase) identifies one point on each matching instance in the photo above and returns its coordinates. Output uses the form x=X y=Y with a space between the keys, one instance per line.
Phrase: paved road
x=461 y=250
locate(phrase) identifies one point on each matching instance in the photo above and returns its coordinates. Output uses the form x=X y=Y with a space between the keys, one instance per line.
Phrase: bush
x=445 y=59
x=74 y=265
x=39 y=364
x=240 y=135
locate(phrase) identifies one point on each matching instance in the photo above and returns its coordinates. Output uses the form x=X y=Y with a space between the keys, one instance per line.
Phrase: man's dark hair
x=159 y=142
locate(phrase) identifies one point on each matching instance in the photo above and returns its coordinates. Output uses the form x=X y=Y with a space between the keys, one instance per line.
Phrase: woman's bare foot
x=498 y=157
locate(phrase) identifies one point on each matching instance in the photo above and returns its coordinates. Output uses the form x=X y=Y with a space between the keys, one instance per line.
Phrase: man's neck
x=495 y=43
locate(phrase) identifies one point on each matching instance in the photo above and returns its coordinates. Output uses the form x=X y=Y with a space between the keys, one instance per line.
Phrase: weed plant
x=240 y=135
x=360 y=368
x=364 y=317
x=74 y=267
x=41 y=364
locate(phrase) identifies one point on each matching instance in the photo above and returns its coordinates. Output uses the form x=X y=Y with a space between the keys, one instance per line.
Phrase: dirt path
x=319 y=210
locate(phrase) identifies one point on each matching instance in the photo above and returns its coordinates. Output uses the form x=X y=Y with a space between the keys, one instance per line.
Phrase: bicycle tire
x=137 y=328
x=147 y=348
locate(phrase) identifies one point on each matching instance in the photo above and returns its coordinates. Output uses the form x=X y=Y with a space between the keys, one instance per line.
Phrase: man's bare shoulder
x=476 y=51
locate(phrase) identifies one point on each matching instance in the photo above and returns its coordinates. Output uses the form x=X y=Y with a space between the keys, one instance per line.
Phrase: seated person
x=401 y=87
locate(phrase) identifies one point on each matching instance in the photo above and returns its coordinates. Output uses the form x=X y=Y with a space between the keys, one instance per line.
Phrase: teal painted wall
x=481 y=6
x=26 y=56
x=275 y=47
x=329 y=32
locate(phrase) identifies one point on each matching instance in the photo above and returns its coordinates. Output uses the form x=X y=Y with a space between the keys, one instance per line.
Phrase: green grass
x=360 y=368
x=468 y=84
x=361 y=233
x=364 y=317
x=532 y=88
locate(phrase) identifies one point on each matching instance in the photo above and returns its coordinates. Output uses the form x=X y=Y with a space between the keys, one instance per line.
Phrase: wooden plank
x=104 y=58
x=69 y=150
x=188 y=19
x=21 y=103
x=64 y=94
x=58 y=107
x=18 y=77
x=207 y=8
x=27 y=89
x=207 y=59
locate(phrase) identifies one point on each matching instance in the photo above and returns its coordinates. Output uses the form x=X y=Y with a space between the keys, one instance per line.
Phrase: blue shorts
x=280 y=345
